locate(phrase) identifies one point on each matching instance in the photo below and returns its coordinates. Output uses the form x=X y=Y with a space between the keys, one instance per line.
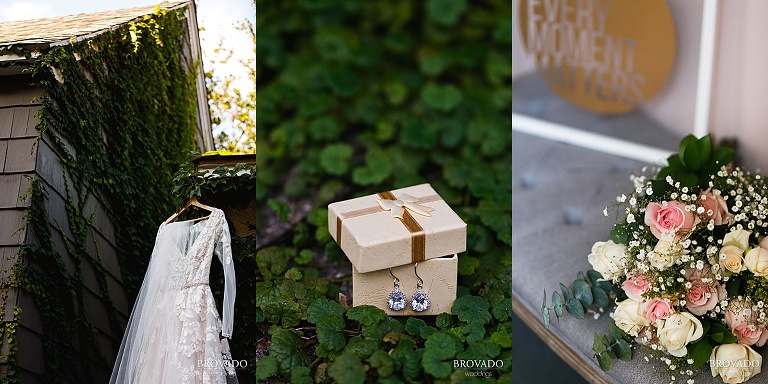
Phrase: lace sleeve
x=224 y=252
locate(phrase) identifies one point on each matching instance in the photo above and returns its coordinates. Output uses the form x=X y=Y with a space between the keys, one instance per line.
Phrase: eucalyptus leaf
x=574 y=308
x=605 y=361
x=564 y=289
x=622 y=350
x=557 y=304
x=601 y=298
x=597 y=345
x=615 y=331
x=582 y=292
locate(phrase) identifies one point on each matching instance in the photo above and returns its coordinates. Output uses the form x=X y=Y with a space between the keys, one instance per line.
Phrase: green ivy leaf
x=361 y=347
x=496 y=215
x=325 y=128
x=467 y=265
x=437 y=349
x=294 y=274
x=472 y=309
x=286 y=312
x=335 y=158
x=395 y=92
x=377 y=168
x=416 y=326
x=502 y=339
x=271 y=261
x=280 y=207
x=474 y=331
x=300 y=375
x=383 y=363
x=322 y=308
x=446 y=12
x=481 y=349
x=443 y=98
x=329 y=334
x=445 y=321
x=305 y=256
x=503 y=310
x=285 y=348
x=366 y=314
x=347 y=368
x=407 y=360
x=266 y=367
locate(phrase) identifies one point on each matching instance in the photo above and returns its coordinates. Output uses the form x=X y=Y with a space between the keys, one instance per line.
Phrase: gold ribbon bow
x=397 y=207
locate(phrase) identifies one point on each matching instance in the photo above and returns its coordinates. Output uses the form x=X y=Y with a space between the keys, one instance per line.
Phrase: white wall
x=739 y=107
x=740 y=87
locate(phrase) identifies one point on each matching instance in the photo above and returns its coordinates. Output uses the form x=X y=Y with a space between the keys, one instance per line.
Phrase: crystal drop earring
x=396 y=299
x=419 y=300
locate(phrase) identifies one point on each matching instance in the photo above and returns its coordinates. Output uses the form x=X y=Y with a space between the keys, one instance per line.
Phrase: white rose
x=608 y=258
x=677 y=331
x=756 y=261
x=735 y=363
x=629 y=317
x=665 y=254
x=738 y=237
x=731 y=258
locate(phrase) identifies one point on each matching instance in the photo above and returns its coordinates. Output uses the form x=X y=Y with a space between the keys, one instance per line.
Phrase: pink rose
x=669 y=222
x=748 y=334
x=635 y=286
x=656 y=309
x=715 y=208
x=703 y=297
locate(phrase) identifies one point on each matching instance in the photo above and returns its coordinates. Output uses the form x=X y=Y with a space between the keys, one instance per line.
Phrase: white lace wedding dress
x=172 y=335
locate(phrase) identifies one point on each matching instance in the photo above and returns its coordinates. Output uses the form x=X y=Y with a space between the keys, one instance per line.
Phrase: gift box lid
x=397 y=227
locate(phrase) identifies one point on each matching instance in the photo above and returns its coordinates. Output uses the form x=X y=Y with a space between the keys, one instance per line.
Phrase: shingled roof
x=60 y=30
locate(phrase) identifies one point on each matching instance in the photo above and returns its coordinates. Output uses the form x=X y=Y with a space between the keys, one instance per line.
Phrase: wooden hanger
x=192 y=201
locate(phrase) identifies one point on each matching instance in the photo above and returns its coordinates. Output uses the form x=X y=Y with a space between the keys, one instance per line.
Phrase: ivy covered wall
x=117 y=118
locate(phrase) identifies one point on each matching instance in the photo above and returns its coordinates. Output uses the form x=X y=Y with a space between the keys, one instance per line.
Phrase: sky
x=217 y=17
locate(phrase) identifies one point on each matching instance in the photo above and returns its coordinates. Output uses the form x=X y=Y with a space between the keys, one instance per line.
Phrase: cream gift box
x=396 y=228
x=439 y=276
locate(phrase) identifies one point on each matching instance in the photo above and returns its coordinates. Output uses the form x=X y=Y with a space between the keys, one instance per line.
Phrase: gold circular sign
x=607 y=56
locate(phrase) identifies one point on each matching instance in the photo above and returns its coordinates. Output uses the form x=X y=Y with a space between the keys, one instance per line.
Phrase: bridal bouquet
x=686 y=265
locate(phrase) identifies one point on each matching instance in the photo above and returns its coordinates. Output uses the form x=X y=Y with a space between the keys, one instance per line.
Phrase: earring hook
x=421 y=281
x=397 y=281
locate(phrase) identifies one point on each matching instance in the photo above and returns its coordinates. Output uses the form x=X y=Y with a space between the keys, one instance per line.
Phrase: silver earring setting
x=419 y=300
x=396 y=299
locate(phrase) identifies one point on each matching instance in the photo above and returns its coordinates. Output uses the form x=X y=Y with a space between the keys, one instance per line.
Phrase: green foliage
x=612 y=346
x=118 y=144
x=358 y=97
x=589 y=292
x=696 y=160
